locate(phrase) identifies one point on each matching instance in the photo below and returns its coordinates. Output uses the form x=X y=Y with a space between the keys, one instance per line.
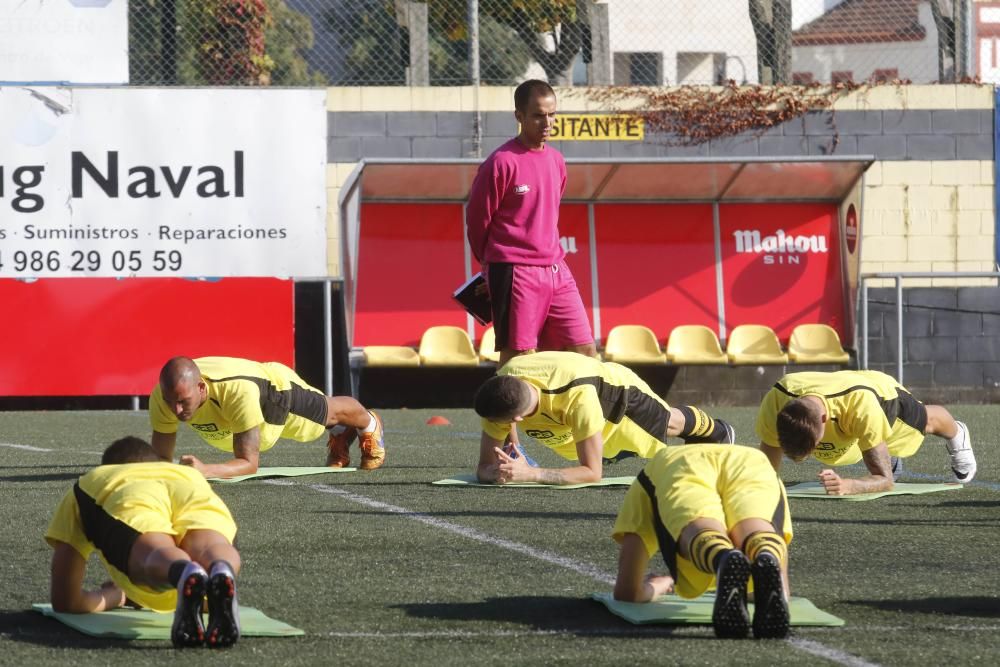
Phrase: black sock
x=176 y=570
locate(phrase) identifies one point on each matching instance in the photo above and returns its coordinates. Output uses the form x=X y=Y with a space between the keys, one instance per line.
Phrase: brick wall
x=928 y=199
x=951 y=341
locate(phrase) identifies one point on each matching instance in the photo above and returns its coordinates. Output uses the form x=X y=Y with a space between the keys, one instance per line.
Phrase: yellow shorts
x=306 y=421
x=723 y=482
x=904 y=440
x=173 y=510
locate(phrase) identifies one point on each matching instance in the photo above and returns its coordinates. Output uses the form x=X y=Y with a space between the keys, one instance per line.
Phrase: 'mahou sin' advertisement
x=162 y=182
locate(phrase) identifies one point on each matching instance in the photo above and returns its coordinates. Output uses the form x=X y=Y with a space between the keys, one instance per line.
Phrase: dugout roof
x=762 y=179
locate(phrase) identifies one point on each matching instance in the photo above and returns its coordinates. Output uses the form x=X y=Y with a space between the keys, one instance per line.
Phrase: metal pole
x=474 y=76
x=864 y=324
x=899 y=329
x=135 y=403
x=720 y=295
x=327 y=338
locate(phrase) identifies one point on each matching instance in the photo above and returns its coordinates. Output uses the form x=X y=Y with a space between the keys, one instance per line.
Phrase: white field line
x=30 y=448
x=808 y=646
x=27 y=448
x=577 y=566
x=831 y=654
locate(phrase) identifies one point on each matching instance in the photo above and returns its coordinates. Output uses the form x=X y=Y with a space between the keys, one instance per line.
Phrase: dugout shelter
x=659 y=242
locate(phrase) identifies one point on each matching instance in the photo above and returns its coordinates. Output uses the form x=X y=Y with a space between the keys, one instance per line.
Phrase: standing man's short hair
x=501 y=398
x=800 y=426
x=524 y=92
x=129 y=449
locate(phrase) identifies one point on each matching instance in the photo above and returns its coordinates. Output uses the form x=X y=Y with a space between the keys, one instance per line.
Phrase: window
x=885 y=75
x=638 y=69
x=802 y=78
x=701 y=68
x=842 y=77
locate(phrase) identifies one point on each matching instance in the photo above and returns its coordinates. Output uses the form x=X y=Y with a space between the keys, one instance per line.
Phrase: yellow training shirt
x=112 y=505
x=859 y=404
x=244 y=394
x=580 y=396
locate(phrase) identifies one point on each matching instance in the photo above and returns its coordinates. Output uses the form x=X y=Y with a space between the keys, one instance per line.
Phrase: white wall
x=671 y=26
x=916 y=61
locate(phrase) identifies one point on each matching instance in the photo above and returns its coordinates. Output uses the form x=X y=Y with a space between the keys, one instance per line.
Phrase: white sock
x=222 y=566
x=371 y=425
x=956 y=442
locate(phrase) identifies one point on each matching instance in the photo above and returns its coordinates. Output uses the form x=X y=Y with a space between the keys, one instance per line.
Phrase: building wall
x=951 y=341
x=914 y=61
x=928 y=198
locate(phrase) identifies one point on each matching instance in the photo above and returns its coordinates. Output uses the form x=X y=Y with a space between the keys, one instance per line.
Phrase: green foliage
x=288 y=37
x=218 y=42
x=372 y=42
x=376 y=48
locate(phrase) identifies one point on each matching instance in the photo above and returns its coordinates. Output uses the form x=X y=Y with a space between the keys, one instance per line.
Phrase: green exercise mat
x=145 y=624
x=289 y=471
x=469 y=479
x=671 y=609
x=815 y=490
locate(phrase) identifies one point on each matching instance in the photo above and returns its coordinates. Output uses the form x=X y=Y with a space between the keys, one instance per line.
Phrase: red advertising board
x=411 y=257
x=656 y=266
x=781 y=266
x=108 y=337
x=574 y=234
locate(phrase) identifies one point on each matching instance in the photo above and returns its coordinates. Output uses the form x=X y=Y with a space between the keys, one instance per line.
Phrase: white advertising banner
x=162 y=182
x=64 y=41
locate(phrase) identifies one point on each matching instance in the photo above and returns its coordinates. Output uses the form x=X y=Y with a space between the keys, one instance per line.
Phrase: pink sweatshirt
x=513 y=211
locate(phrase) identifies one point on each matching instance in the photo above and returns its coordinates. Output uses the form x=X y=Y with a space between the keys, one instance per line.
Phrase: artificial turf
x=385 y=568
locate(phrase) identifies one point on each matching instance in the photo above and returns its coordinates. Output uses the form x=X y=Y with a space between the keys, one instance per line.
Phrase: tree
x=218 y=42
x=772 y=27
x=946 y=14
x=536 y=23
x=289 y=36
x=376 y=47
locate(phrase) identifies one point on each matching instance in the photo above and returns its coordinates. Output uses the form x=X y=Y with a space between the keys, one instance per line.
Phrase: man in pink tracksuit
x=512 y=221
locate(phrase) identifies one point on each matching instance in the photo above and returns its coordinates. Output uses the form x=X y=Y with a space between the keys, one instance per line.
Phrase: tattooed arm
x=589 y=450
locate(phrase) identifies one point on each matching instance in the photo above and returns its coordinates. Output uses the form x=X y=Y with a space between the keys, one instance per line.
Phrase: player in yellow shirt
x=849 y=416
x=162 y=534
x=585 y=410
x=717 y=514
x=244 y=407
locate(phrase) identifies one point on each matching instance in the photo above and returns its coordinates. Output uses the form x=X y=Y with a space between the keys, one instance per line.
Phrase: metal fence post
x=899 y=329
x=864 y=323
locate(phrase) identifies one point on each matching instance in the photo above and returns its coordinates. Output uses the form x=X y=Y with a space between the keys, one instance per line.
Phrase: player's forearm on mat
x=870 y=484
x=487 y=473
x=557 y=476
x=231 y=468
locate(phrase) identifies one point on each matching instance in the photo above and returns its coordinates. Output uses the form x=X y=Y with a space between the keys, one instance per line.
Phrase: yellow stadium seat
x=816 y=344
x=754 y=344
x=488 y=345
x=694 y=344
x=633 y=344
x=390 y=355
x=447 y=346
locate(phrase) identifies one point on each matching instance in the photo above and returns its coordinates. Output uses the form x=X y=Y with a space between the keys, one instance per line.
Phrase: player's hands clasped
x=834 y=484
x=512 y=470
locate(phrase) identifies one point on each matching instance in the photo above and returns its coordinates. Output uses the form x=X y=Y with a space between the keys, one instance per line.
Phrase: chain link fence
x=567 y=42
